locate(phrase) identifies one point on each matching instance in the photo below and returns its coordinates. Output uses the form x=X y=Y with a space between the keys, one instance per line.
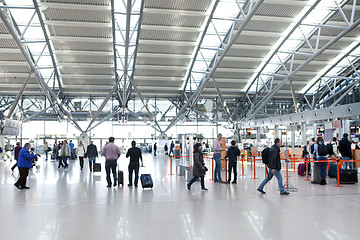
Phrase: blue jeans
x=194 y=179
x=323 y=167
x=217 y=172
x=269 y=177
x=46 y=154
x=91 y=162
x=347 y=164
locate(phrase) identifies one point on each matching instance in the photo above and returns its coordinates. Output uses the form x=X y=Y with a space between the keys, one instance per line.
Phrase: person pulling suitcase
x=135 y=154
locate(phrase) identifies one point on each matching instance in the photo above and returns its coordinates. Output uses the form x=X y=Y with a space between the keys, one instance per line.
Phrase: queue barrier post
x=266 y=171
x=242 y=165
x=226 y=170
x=171 y=167
x=254 y=169
x=338 y=163
x=212 y=169
x=307 y=170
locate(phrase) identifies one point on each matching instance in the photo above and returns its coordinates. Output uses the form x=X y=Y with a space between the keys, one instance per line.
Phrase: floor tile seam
x=84 y=224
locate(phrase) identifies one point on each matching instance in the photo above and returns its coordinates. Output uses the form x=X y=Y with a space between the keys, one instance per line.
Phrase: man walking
x=345 y=150
x=92 y=154
x=155 y=148
x=217 y=157
x=135 y=154
x=71 y=145
x=172 y=145
x=16 y=155
x=232 y=154
x=111 y=153
x=274 y=166
x=24 y=164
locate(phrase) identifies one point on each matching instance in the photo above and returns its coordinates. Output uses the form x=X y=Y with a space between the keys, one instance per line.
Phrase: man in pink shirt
x=111 y=153
x=217 y=157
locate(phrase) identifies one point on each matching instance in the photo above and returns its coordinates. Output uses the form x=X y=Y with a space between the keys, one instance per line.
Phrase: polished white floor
x=76 y=204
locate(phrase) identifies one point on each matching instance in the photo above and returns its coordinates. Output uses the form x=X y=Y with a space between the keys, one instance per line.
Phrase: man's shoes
x=108 y=185
x=323 y=182
x=204 y=189
x=215 y=180
x=129 y=185
x=221 y=181
x=188 y=187
x=261 y=191
x=228 y=182
x=284 y=193
x=25 y=187
x=136 y=185
x=233 y=182
x=17 y=186
x=114 y=183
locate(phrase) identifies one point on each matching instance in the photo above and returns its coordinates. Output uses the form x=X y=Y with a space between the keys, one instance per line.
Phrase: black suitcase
x=120 y=178
x=97 y=167
x=348 y=176
x=146 y=181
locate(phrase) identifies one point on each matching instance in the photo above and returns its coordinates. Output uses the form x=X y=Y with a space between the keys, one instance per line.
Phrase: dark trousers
x=194 y=179
x=323 y=166
x=15 y=165
x=24 y=172
x=134 y=167
x=232 y=166
x=171 y=151
x=110 y=165
x=81 y=162
x=154 y=152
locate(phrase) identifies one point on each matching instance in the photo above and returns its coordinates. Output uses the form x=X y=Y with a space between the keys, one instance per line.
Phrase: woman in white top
x=80 y=152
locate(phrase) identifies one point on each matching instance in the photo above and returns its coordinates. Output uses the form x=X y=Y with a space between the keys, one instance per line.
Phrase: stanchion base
x=254 y=178
x=170 y=174
x=289 y=187
x=307 y=180
x=338 y=186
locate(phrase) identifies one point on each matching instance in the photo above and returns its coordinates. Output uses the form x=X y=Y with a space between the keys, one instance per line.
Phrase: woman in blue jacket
x=24 y=164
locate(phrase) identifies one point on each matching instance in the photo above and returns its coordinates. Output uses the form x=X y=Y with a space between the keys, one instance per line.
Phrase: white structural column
x=303 y=133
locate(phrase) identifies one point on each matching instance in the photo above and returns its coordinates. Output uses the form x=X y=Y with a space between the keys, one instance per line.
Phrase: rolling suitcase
x=146 y=181
x=301 y=169
x=97 y=167
x=316 y=178
x=333 y=170
x=348 y=176
x=120 y=177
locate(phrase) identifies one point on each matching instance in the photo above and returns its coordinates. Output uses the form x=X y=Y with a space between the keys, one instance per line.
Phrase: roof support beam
x=266 y=99
x=216 y=62
x=56 y=72
x=18 y=96
x=47 y=91
x=222 y=101
x=199 y=46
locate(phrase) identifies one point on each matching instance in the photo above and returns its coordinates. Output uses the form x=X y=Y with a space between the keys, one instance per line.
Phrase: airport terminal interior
x=179 y=119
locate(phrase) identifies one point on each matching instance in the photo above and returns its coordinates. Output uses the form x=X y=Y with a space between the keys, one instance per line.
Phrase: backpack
x=1 y=150
x=329 y=148
x=265 y=155
x=322 y=150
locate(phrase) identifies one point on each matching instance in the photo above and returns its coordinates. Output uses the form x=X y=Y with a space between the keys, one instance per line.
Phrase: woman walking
x=80 y=151
x=199 y=167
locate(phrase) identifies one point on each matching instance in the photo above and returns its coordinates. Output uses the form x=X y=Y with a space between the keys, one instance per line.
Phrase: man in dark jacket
x=92 y=154
x=345 y=150
x=135 y=154
x=155 y=149
x=172 y=145
x=232 y=154
x=24 y=164
x=274 y=166
x=16 y=155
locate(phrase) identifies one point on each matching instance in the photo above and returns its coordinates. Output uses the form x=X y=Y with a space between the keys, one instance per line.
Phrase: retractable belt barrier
x=171 y=163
